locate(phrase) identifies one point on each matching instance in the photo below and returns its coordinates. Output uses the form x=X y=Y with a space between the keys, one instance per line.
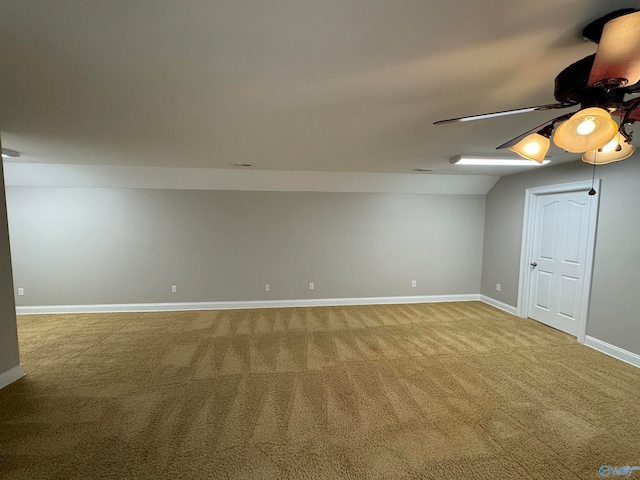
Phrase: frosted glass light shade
x=532 y=147
x=617 y=62
x=588 y=129
x=619 y=150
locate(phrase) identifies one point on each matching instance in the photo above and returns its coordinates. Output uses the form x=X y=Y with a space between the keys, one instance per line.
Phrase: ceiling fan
x=598 y=84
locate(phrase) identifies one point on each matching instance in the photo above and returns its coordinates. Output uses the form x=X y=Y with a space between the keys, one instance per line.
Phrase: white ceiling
x=316 y=85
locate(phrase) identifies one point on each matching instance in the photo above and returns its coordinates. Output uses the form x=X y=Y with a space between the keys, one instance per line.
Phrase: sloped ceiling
x=311 y=85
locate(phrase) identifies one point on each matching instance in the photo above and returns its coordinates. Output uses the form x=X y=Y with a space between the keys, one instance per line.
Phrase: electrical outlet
x=497 y=287
x=174 y=289
x=414 y=284
x=21 y=291
x=266 y=287
x=311 y=286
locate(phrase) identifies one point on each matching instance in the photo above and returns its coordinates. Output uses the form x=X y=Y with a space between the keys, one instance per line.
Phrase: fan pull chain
x=593 y=176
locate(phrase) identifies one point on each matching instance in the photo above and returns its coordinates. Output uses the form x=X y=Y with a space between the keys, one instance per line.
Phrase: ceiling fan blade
x=617 y=63
x=503 y=113
x=514 y=141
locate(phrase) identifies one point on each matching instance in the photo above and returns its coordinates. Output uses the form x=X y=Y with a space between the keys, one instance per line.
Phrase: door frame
x=524 y=284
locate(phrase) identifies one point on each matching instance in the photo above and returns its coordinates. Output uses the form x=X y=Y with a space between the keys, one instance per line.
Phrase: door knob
x=534 y=264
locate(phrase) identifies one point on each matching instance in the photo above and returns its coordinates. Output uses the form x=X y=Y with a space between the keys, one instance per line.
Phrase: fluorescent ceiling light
x=496 y=161
x=6 y=153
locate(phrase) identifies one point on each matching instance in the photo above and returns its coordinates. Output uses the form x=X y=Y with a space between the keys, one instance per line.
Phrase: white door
x=558 y=261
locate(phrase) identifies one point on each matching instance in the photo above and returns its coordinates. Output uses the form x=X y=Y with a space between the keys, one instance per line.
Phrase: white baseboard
x=11 y=375
x=613 y=351
x=502 y=306
x=171 y=307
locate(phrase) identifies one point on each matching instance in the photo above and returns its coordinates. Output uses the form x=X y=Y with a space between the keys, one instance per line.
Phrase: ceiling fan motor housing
x=571 y=88
x=572 y=81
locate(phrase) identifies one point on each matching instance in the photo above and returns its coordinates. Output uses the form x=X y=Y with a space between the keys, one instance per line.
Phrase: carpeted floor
x=442 y=391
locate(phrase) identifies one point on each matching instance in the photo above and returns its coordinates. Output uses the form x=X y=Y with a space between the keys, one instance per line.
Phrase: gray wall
x=9 y=357
x=109 y=246
x=614 y=315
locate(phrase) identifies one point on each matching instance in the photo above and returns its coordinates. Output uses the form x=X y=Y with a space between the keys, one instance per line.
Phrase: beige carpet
x=443 y=391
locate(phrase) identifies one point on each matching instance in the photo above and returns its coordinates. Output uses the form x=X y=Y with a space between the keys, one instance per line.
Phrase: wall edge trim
x=27 y=174
x=232 y=305
x=500 y=305
x=11 y=375
x=613 y=351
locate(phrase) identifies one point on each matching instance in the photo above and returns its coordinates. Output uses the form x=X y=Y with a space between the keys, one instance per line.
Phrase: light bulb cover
x=611 y=146
x=523 y=147
x=568 y=138
x=599 y=157
x=586 y=126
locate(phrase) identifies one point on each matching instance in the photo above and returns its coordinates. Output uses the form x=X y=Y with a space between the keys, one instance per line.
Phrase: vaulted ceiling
x=320 y=85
